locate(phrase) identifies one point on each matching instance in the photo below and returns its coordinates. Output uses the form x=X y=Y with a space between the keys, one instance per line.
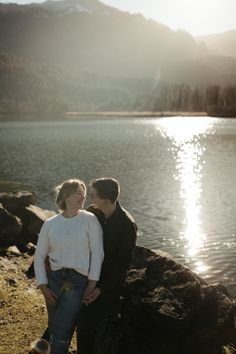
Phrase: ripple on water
x=178 y=178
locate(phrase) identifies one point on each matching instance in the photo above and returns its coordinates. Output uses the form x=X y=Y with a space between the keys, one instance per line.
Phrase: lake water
x=177 y=175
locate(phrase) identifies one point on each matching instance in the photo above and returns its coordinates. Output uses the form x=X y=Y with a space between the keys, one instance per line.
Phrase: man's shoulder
x=125 y=214
x=127 y=218
x=97 y=212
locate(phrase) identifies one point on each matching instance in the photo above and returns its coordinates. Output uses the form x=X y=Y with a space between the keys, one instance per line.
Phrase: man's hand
x=48 y=294
x=90 y=287
x=92 y=296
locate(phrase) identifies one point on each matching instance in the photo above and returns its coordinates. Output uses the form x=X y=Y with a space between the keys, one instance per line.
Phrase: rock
x=30 y=248
x=15 y=201
x=7 y=264
x=11 y=281
x=33 y=218
x=30 y=271
x=167 y=308
x=10 y=227
x=24 y=248
x=13 y=250
x=36 y=217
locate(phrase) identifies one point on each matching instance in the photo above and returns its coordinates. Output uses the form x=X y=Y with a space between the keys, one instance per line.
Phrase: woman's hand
x=48 y=294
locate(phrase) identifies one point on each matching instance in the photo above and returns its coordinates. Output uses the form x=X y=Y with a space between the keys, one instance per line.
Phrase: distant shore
x=137 y=114
x=74 y=115
x=34 y=116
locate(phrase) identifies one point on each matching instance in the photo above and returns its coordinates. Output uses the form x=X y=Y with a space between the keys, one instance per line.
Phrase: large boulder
x=22 y=205
x=10 y=228
x=33 y=218
x=14 y=202
x=168 y=309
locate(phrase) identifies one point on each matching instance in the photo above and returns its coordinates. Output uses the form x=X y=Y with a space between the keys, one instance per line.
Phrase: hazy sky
x=199 y=17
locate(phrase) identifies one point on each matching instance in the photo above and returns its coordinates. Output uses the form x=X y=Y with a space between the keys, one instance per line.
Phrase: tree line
x=212 y=99
x=27 y=87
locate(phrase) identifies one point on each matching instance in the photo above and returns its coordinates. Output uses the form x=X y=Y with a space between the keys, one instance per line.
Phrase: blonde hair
x=67 y=188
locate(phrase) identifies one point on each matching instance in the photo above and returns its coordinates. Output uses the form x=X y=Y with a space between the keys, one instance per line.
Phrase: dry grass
x=22 y=311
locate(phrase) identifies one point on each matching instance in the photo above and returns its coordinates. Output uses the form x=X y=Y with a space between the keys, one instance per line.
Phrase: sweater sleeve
x=41 y=253
x=95 y=235
x=113 y=279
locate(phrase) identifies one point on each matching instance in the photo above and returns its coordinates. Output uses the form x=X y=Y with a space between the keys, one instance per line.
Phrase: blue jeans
x=68 y=285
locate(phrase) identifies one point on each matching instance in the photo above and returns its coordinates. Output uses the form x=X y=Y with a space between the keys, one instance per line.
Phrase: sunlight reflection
x=189 y=175
x=200 y=267
x=184 y=133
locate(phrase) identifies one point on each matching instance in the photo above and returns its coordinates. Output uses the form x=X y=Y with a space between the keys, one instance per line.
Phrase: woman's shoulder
x=53 y=219
x=90 y=218
x=87 y=214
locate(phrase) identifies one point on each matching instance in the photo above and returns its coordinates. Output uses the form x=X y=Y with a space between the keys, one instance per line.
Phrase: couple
x=89 y=255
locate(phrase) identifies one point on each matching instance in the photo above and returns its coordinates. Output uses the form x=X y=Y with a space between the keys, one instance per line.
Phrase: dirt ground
x=22 y=311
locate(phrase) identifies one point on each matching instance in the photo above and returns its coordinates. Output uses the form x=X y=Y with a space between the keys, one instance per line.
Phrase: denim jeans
x=68 y=285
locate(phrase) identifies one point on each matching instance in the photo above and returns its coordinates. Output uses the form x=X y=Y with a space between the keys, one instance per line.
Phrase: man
x=119 y=236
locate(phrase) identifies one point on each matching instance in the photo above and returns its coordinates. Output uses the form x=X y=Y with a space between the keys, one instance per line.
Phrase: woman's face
x=76 y=199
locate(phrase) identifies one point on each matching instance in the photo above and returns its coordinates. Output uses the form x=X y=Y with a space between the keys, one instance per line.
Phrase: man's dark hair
x=107 y=188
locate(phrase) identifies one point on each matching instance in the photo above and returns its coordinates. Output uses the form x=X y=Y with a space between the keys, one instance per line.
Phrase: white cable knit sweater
x=75 y=242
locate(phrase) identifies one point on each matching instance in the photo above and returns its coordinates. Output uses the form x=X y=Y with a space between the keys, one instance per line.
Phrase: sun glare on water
x=188 y=152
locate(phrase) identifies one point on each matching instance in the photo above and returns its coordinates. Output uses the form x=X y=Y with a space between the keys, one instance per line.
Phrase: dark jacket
x=119 y=237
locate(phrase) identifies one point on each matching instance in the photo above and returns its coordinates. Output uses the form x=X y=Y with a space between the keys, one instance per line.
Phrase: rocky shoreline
x=166 y=308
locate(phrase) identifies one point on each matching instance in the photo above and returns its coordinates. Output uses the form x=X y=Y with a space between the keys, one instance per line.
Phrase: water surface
x=177 y=175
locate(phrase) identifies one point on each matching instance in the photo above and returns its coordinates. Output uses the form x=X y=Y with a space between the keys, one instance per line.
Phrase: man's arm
x=113 y=279
x=116 y=274
x=97 y=255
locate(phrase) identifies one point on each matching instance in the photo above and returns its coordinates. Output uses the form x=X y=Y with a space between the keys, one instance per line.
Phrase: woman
x=73 y=241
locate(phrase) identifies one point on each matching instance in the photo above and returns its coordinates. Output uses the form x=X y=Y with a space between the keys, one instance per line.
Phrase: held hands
x=91 y=292
x=93 y=296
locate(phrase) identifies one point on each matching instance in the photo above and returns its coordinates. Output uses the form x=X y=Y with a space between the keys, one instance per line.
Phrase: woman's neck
x=70 y=213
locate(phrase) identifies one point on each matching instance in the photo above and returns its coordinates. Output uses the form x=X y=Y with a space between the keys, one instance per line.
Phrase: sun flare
x=200 y=17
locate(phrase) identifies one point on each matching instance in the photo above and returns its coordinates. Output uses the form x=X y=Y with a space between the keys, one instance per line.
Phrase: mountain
x=70 y=6
x=210 y=69
x=28 y=87
x=85 y=55
x=98 y=39
x=221 y=43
